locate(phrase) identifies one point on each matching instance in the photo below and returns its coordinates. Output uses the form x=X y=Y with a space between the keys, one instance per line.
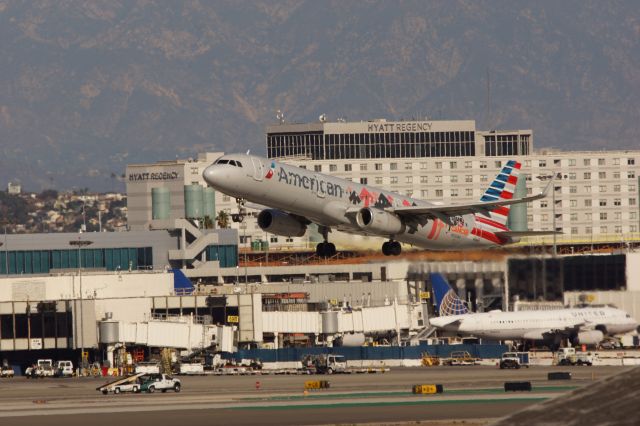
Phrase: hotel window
x=333 y=168
x=573 y=189
x=394 y=179
x=587 y=189
x=603 y=188
x=409 y=179
x=587 y=175
x=527 y=163
x=423 y=166
x=601 y=162
x=616 y=175
x=542 y=163
x=573 y=203
x=439 y=193
x=408 y=166
x=483 y=164
x=632 y=215
x=543 y=204
x=378 y=180
x=454 y=192
x=453 y=179
x=616 y=188
x=498 y=164
x=468 y=178
x=574 y=216
x=632 y=201
x=574 y=230
x=317 y=167
x=587 y=161
x=378 y=166
x=483 y=178
x=438 y=179
x=225 y=198
x=468 y=165
x=529 y=218
x=617 y=229
x=545 y=217
x=588 y=217
x=631 y=175
x=616 y=161
x=393 y=166
x=603 y=215
x=453 y=164
x=363 y=167
x=588 y=230
x=572 y=161
x=347 y=167
x=363 y=180
x=438 y=164
x=424 y=193
x=424 y=179
x=468 y=192
x=633 y=228
x=617 y=215
x=587 y=203
x=603 y=229
x=602 y=175
x=572 y=176
x=603 y=203
x=632 y=188
x=631 y=161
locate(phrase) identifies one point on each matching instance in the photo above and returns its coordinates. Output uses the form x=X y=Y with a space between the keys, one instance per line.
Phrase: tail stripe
x=501 y=188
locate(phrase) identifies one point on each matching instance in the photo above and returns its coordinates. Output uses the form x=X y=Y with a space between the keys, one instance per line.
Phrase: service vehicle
x=123 y=384
x=6 y=371
x=43 y=368
x=148 y=368
x=324 y=364
x=514 y=360
x=569 y=356
x=460 y=358
x=160 y=382
x=64 y=369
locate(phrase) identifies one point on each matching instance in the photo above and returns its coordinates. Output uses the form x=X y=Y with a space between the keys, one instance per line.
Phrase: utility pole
x=80 y=244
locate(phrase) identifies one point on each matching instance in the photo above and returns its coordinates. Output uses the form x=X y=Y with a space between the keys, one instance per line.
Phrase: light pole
x=553 y=206
x=80 y=244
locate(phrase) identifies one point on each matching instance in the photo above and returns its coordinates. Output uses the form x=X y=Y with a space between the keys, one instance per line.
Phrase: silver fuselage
x=333 y=202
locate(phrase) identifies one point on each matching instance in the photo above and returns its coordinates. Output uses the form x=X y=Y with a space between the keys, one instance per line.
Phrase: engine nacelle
x=590 y=337
x=379 y=221
x=280 y=223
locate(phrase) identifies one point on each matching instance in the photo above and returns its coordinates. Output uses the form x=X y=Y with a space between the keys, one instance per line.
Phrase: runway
x=472 y=393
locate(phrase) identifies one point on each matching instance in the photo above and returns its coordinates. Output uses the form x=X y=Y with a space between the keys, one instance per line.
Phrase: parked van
x=64 y=369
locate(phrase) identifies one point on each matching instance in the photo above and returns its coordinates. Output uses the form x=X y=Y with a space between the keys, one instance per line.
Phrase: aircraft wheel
x=385 y=248
x=395 y=248
x=321 y=249
x=330 y=249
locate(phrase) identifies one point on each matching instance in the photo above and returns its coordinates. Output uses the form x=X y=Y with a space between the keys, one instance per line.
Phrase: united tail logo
x=447 y=301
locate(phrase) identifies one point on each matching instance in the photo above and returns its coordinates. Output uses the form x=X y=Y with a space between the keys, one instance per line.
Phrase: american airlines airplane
x=580 y=325
x=297 y=197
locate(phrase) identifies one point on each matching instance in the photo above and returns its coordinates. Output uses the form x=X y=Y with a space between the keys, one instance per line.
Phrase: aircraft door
x=258 y=168
x=319 y=193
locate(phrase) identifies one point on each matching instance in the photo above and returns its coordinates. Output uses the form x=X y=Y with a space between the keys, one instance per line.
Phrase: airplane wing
x=526 y=233
x=445 y=210
x=443 y=322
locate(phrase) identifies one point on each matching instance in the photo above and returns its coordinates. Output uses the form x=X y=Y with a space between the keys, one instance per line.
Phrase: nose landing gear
x=242 y=211
x=391 y=248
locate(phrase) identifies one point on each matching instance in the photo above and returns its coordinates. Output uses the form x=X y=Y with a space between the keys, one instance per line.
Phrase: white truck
x=43 y=368
x=324 y=364
x=64 y=369
x=160 y=382
x=123 y=384
x=514 y=360
x=569 y=356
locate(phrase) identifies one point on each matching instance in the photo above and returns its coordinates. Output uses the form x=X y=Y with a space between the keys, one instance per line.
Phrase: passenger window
x=239 y=164
x=232 y=163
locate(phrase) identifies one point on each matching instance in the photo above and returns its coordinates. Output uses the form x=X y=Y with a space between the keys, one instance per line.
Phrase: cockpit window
x=229 y=162
x=222 y=162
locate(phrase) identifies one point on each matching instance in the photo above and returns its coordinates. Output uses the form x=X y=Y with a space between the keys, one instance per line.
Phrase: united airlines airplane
x=297 y=197
x=581 y=325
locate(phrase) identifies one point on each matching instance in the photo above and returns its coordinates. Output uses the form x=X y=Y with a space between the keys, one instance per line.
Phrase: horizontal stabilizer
x=526 y=233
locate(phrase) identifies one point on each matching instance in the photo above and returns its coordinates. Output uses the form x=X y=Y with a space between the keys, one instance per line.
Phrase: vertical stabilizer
x=447 y=301
x=502 y=188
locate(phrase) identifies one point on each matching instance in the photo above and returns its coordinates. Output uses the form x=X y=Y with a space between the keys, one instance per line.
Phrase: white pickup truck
x=160 y=382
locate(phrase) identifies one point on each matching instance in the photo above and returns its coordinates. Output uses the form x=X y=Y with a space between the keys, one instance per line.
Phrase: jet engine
x=590 y=337
x=379 y=221
x=280 y=223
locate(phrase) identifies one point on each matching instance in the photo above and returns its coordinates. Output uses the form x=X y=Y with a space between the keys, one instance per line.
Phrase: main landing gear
x=391 y=248
x=325 y=248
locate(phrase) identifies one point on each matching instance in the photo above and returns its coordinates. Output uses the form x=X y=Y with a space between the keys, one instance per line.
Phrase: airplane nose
x=212 y=175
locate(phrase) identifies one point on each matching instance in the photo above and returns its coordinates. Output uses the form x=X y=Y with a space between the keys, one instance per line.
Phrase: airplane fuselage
x=334 y=202
x=531 y=324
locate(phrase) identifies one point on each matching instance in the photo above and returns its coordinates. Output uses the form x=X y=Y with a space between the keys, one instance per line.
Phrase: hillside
x=89 y=86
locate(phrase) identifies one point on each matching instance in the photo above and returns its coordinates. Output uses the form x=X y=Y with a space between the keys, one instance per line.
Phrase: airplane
x=587 y=325
x=298 y=197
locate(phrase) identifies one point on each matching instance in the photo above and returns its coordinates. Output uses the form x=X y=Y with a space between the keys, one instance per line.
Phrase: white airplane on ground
x=580 y=325
x=298 y=197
